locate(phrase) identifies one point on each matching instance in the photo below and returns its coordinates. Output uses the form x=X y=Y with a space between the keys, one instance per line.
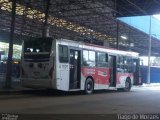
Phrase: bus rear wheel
x=89 y=86
x=127 y=85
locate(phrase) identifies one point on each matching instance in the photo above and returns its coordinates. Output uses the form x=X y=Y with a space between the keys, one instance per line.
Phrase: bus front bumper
x=36 y=83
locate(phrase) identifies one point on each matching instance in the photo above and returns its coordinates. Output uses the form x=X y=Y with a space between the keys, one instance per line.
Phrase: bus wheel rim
x=127 y=85
x=89 y=86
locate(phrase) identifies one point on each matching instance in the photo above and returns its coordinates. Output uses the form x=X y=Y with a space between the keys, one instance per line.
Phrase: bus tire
x=127 y=87
x=89 y=86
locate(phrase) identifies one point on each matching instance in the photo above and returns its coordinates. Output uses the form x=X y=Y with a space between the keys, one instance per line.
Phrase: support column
x=45 y=28
x=10 y=52
x=149 y=52
x=117 y=39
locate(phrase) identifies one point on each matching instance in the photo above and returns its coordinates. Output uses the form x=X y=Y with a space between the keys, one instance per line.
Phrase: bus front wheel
x=89 y=86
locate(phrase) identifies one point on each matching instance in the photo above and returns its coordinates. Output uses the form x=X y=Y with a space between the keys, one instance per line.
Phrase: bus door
x=75 y=69
x=112 y=66
x=137 y=72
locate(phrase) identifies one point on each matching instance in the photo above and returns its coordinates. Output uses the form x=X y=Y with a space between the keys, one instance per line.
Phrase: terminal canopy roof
x=137 y=7
x=93 y=21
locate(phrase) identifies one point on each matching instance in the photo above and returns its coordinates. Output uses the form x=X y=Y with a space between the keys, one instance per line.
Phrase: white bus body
x=66 y=65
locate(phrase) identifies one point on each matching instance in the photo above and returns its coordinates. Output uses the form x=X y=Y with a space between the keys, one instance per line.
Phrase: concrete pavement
x=16 y=87
x=101 y=102
x=103 y=105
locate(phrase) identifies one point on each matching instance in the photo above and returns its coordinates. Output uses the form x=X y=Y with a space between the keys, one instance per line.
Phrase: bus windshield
x=37 y=48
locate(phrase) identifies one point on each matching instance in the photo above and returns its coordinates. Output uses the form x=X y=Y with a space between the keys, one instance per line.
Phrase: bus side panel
x=103 y=75
x=121 y=78
x=54 y=81
x=87 y=72
x=83 y=79
x=62 y=73
x=100 y=76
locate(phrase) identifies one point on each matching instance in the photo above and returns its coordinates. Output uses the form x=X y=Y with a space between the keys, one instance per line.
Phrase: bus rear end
x=37 y=64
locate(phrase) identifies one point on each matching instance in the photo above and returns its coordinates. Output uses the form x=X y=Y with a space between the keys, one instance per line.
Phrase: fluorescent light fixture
x=131 y=44
x=157 y=16
x=123 y=37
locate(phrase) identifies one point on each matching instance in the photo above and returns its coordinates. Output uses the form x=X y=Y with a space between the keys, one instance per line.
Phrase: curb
x=151 y=85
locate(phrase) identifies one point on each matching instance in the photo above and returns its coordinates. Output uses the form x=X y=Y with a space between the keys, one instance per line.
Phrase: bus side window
x=89 y=58
x=130 y=64
x=120 y=64
x=102 y=59
x=63 y=54
x=125 y=64
x=85 y=57
x=92 y=58
x=134 y=65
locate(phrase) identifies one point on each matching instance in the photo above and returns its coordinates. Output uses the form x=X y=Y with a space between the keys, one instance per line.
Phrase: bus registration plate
x=36 y=74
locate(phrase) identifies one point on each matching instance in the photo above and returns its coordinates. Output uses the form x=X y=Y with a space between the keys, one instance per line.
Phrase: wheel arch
x=128 y=78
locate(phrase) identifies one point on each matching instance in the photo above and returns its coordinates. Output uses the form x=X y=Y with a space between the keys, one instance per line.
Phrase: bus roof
x=97 y=48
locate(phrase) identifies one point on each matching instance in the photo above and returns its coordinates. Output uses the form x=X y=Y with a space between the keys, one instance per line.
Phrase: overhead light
x=157 y=16
x=123 y=37
x=59 y=12
x=131 y=44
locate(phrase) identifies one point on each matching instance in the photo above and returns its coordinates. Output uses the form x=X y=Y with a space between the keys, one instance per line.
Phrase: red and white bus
x=71 y=66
